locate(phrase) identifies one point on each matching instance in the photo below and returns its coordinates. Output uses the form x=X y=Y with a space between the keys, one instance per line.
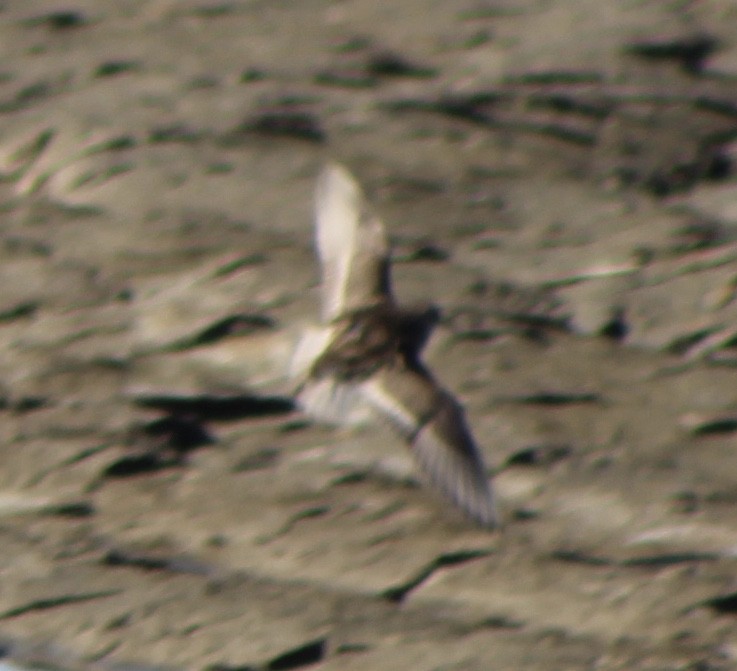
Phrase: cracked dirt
x=558 y=176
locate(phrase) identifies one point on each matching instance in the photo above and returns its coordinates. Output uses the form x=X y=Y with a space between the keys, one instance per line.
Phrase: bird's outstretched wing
x=351 y=245
x=434 y=424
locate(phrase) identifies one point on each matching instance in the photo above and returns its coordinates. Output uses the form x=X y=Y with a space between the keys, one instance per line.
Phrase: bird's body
x=364 y=362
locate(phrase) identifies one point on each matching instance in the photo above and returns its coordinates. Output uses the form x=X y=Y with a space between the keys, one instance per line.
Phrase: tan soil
x=558 y=176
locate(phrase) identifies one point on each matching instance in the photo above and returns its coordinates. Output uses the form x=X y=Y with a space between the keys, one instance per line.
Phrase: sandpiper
x=363 y=363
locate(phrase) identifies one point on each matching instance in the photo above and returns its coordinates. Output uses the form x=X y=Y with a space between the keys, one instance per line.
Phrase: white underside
x=336 y=403
x=312 y=344
x=326 y=400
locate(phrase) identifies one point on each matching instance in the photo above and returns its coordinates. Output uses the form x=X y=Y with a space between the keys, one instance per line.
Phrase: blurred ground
x=559 y=176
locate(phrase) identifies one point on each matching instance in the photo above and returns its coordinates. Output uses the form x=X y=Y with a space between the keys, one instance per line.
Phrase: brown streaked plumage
x=365 y=362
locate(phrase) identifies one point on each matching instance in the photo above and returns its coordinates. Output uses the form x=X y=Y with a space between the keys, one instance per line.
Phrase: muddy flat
x=559 y=177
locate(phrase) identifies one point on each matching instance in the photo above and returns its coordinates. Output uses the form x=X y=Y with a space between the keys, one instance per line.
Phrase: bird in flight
x=364 y=363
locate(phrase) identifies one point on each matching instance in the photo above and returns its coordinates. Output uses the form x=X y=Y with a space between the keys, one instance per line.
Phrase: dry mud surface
x=560 y=177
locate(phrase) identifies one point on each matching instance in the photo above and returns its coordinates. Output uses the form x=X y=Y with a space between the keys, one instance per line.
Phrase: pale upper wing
x=434 y=424
x=351 y=245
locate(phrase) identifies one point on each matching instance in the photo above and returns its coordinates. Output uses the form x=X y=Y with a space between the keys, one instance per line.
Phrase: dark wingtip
x=485 y=517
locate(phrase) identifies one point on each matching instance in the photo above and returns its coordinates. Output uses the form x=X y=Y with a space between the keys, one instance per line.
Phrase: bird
x=363 y=362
